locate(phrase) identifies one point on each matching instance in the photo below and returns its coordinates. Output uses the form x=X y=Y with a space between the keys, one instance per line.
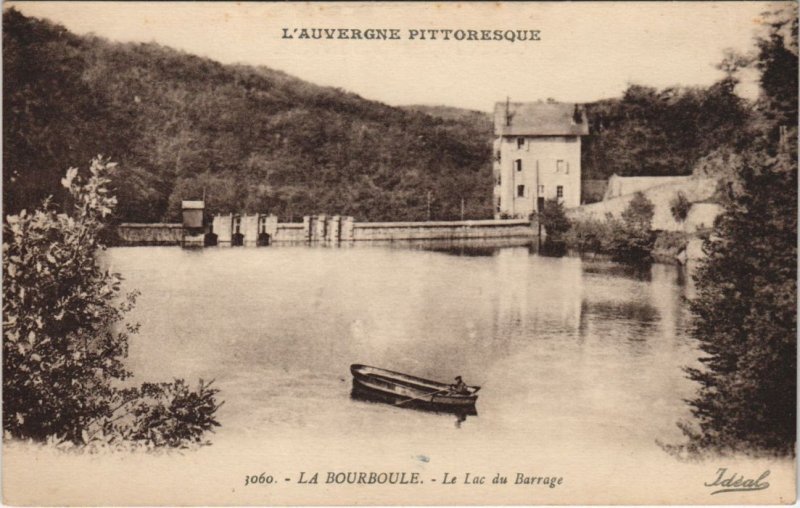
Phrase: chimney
x=577 y=115
x=508 y=111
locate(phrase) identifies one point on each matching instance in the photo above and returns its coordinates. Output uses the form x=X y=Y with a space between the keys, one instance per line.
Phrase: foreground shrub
x=628 y=238
x=746 y=318
x=632 y=237
x=65 y=339
x=554 y=220
x=745 y=311
x=670 y=243
x=679 y=206
x=588 y=235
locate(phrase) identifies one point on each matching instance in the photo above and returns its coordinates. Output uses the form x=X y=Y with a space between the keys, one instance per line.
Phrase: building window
x=560 y=166
x=498 y=204
x=560 y=191
x=520 y=143
x=518 y=164
x=541 y=190
x=237 y=225
x=262 y=224
x=498 y=179
x=520 y=191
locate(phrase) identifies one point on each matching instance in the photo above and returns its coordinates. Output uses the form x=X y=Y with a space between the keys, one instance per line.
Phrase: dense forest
x=253 y=138
x=256 y=139
x=651 y=132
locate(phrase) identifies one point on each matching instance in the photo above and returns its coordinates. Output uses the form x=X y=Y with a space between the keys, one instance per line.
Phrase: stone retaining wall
x=698 y=191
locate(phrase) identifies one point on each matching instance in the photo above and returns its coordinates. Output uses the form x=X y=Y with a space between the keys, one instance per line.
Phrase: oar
x=423 y=396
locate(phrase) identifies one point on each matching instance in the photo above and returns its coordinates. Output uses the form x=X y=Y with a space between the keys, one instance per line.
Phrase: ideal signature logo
x=737 y=482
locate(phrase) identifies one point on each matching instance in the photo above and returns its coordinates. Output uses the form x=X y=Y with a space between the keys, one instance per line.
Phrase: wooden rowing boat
x=383 y=385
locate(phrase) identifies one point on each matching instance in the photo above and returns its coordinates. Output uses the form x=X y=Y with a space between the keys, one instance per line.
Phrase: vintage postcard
x=526 y=253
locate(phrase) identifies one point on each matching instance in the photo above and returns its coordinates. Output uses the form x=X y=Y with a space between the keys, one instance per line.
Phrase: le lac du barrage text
x=402 y=478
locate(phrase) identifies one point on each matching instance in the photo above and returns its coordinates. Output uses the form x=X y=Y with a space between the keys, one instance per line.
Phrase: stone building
x=193 y=224
x=537 y=155
x=192 y=214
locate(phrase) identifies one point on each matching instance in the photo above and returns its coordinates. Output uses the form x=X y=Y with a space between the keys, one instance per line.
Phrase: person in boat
x=460 y=387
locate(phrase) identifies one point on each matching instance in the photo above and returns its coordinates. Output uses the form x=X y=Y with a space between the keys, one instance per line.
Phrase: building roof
x=539 y=119
x=192 y=205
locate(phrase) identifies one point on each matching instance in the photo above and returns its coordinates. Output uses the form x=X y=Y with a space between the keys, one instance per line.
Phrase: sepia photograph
x=399 y=253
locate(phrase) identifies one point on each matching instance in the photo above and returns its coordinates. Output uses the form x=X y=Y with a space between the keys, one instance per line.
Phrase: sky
x=587 y=51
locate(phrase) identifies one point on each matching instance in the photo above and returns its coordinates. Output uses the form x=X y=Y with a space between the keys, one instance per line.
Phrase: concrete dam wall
x=260 y=230
x=149 y=234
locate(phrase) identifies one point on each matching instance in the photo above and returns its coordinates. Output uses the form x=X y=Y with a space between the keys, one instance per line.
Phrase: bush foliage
x=679 y=207
x=65 y=338
x=669 y=243
x=554 y=220
x=746 y=318
x=628 y=238
x=632 y=237
x=589 y=236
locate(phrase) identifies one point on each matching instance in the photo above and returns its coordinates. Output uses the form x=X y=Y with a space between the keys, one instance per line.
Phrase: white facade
x=532 y=167
x=537 y=156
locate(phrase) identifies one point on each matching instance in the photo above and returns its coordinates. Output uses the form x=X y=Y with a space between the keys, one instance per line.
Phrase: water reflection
x=550 y=249
x=638 y=322
x=400 y=404
x=642 y=314
x=578 y=349
x=635 y=271
x=470 y=248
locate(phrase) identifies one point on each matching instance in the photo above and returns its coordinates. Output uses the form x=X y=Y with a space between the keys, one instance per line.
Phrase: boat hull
x=380 y=385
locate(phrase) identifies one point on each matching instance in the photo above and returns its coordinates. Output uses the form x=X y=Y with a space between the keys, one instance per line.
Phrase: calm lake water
x=565 y=349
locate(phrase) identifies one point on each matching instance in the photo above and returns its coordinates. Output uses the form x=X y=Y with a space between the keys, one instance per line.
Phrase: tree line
x=252 y=139
x=746 y=307
x=249 y=138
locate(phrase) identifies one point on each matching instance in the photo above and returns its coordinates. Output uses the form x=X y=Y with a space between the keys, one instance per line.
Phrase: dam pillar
x=318 y=228
x=307 y=228
x=346 y=229
x=267 y=229
x=250 y=230
x=221 y=226
x=333 y=229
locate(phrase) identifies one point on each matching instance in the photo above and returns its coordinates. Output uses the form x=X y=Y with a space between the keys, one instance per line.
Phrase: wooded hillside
x=256 y=139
